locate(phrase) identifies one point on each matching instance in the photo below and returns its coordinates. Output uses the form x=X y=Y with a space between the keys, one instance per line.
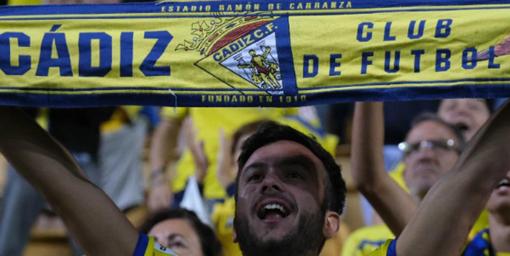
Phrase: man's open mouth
x=504 y=183
x=462 y=126
x=271 y=210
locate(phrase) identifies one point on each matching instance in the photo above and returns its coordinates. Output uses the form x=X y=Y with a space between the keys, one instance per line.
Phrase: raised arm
x=226 y=171
x=163 y=144
x=197 y=149
x=447 y=213
x=393 y=204
x=90 y=215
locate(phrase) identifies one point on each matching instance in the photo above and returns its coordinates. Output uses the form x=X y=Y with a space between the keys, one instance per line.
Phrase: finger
x=203 y=156
x=186 y=129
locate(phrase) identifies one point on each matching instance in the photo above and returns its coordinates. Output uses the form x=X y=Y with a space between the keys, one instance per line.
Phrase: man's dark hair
x=490 y=104
x=210 y=244
x=269 y=132
x=248 y=128
x=427 y=116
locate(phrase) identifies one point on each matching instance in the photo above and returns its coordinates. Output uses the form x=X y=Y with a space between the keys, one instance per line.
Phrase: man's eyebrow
x=297 y=160
x=254 y=166
x=174 y=236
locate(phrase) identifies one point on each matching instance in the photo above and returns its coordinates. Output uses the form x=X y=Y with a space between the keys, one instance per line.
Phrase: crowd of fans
x=179 y=166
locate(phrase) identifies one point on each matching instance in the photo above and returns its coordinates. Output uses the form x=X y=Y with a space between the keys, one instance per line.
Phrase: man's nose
x=271 y=183
x=462 y=111
x=425 y=153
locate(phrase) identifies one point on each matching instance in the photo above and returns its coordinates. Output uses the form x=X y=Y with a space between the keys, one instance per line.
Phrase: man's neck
x=500 y=232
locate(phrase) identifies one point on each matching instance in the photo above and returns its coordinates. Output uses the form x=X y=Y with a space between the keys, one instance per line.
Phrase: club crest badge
x=241 y=52
x=258 y=66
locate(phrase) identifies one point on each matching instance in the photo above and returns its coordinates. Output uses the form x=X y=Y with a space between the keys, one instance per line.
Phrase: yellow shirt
x=387 y=249
x=120 y=116
x=223 y=223
x=365 y=240
x=397 y=174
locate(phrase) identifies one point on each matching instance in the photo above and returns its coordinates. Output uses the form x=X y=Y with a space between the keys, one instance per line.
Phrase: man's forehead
x=279 y=149
x=430 y=129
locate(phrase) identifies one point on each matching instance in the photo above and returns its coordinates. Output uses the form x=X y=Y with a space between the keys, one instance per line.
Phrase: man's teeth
x=274 y=207
x=504 y=182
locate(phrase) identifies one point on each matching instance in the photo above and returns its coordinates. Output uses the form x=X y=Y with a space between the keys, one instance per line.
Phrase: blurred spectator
x=427 y=155
x=182 y=231
x=467 y=114
x=122 y=143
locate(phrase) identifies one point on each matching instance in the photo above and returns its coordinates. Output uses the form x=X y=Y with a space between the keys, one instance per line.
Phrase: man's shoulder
x=366 y=240
x=389 y=248
x=480 y=245
x=377 y=234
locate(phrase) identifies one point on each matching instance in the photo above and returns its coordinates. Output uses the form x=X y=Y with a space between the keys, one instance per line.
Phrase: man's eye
x=294 y=175
x=176 y=244
x=254 y=178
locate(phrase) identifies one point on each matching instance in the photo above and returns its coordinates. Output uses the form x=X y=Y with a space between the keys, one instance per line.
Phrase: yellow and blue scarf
x=253 y=53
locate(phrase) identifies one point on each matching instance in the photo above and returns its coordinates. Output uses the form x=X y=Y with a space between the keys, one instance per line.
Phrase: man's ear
x=331 y=224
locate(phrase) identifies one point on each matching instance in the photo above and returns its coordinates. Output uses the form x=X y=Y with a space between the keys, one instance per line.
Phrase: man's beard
x=306 y=239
